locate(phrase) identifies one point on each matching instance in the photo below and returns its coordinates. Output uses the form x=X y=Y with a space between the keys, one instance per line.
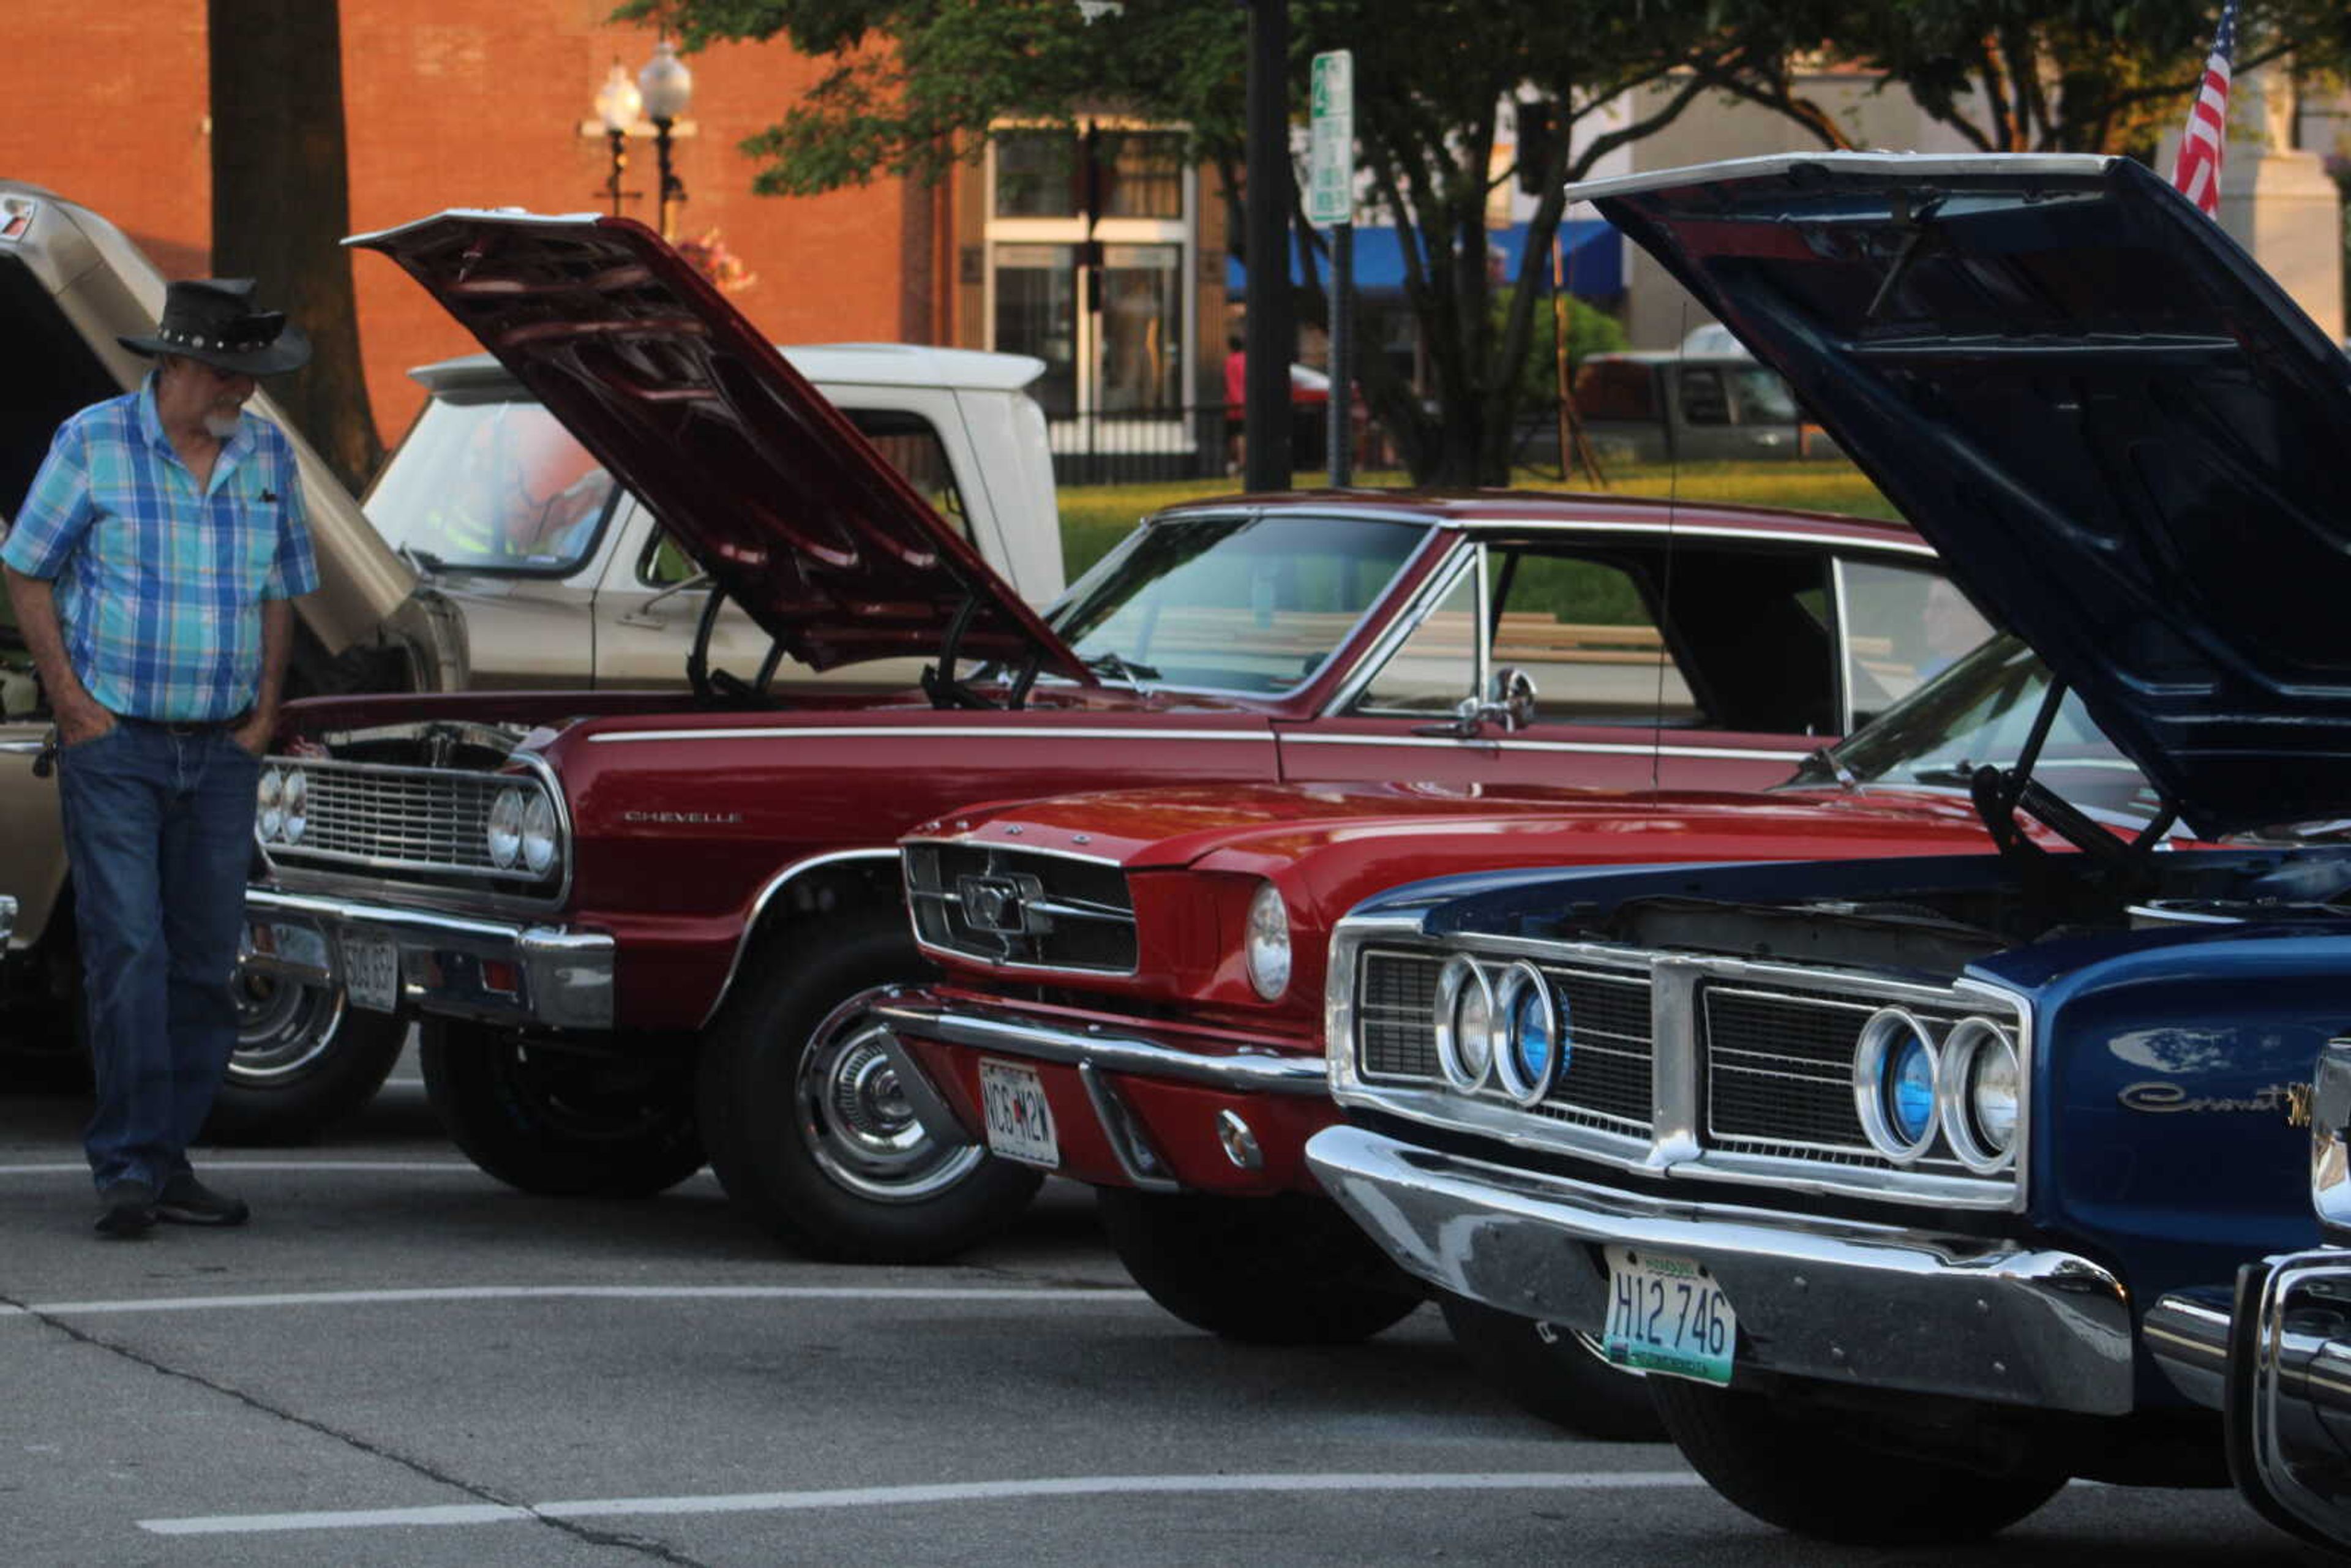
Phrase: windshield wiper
x=1825 y=760
x=1118 y=669
x=1961 y=774
x=420 y=559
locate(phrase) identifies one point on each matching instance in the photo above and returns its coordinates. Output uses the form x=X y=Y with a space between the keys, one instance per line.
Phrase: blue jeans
x=159 y=834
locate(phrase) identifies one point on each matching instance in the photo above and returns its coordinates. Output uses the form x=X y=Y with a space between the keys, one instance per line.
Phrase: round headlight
x=1982 y=1083
x=539 y=835
x=1894 y=1084
x=297 y=805
x=1533 y=1044
x=1267 y=945
x=1465 y=1024
x=269 y=803
x=505 y=835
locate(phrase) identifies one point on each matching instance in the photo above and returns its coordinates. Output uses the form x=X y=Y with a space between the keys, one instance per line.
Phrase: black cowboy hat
x=213 y=319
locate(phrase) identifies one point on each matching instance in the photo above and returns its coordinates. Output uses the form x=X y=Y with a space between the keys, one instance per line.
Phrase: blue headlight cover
x=1910 y=1090
x=1534 y=1040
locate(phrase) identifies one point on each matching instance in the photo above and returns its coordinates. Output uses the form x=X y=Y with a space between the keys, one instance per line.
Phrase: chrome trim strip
x=1837 y=1301
x=968 y=838
x=1441 y=580
x=932 y=732
x=1013 y=1034
x=1840 y=614
x=1594 y=748
x=568 y=973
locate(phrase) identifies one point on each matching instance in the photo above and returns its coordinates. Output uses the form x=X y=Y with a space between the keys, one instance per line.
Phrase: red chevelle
x=642 y=928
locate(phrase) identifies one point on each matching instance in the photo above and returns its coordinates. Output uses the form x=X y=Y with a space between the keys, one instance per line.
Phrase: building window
x=1099 y=290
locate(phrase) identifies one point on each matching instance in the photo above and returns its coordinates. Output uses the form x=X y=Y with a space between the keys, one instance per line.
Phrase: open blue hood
x=2118 y=431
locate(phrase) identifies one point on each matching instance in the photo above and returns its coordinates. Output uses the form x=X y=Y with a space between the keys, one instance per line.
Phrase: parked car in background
x=645 y=927
x=1677 y=406
x=1895 y=1156
x=566 y=579
x=69 y=282
x=2271 y=1347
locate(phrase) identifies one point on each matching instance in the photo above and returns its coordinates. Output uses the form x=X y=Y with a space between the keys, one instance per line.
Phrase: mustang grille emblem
x=998 y=903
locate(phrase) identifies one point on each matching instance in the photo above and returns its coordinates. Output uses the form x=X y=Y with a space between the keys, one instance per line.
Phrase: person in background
x=151 y=569
x=1236 y=401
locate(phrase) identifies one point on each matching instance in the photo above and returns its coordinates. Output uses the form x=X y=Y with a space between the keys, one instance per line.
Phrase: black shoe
x=187 y=1201
x=125 y=1209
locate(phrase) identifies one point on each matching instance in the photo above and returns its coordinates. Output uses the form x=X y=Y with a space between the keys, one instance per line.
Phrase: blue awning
x=1594 y=260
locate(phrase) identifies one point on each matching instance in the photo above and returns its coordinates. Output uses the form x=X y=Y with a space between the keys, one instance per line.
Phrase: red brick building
x=456 y=103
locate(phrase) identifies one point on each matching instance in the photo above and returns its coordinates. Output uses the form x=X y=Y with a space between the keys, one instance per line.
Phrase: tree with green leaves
x=911 y=86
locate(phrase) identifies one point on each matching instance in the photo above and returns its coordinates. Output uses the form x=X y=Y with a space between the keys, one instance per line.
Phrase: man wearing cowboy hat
x=151 y=569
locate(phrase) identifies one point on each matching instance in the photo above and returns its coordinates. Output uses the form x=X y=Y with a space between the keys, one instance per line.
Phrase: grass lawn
x=1096 y=517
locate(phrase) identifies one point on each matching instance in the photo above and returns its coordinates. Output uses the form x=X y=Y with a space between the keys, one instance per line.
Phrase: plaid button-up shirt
x=158 y=588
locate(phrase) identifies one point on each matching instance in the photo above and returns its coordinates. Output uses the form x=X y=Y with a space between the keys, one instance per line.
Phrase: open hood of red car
x=772 y=491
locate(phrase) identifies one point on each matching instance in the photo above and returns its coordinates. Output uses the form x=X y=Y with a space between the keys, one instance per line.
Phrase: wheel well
x=815 y=896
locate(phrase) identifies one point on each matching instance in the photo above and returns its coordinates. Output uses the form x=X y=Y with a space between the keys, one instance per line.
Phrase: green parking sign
x=1331 y=156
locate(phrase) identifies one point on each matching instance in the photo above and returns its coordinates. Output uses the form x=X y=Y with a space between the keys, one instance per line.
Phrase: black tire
x=1548 y=1371
x=804 y=1119
x=1809 y=1477
x=305 y=1060
x=557 y=1121
x=1286 y=1270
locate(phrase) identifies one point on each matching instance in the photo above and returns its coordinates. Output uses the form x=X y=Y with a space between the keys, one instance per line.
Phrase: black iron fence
x=1202 y=441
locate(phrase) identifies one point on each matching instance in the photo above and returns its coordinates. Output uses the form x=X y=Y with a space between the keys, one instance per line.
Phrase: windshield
x=1253 y=605
x=497 y=486
x=1980 y=711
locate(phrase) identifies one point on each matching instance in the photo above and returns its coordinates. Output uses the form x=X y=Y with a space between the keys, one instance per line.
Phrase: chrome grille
x=1607 y=1079
x=429 y=821
x=1003 y=904
x=1779 y=1072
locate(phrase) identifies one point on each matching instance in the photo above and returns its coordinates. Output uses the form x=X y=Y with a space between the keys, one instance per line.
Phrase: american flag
x=2198 y=170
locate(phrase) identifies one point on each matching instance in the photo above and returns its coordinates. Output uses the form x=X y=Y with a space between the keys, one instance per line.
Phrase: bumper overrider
x=424 y=961
x=2273 y=1352
x=1136 y=1106
x=1879 y=1306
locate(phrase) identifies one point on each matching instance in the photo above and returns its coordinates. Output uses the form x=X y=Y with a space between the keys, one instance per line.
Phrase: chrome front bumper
x=1876 y=1306
x=1037 y=1040
x=560 y=978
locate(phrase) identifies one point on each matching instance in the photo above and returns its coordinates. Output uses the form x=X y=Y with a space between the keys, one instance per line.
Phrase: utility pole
x=1269 y=334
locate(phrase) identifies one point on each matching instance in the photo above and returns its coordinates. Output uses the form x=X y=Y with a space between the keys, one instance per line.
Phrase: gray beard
x=220 y=427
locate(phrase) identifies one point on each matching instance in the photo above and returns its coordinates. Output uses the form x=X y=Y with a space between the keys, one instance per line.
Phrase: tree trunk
x=281 y=205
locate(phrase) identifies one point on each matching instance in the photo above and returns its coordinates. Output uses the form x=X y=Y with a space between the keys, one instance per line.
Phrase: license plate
x=1019 y=1123
x=1668 y=1314
x=372 y=973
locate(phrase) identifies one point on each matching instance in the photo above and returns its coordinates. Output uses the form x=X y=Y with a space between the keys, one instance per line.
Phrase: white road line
x=1108 y=1295
x=898 y=1496
x=81 y=1168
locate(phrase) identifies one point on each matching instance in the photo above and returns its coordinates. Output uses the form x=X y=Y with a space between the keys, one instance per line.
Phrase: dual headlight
x=521 y=832
x=1509 y=1028
x=1908 y=1082
x=281 y=812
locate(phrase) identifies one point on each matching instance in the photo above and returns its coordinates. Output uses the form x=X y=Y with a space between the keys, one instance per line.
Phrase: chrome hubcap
x=853 y=1116
x=282 y=1028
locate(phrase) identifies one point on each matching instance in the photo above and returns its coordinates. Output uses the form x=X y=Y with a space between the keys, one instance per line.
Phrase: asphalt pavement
x=401 y=1362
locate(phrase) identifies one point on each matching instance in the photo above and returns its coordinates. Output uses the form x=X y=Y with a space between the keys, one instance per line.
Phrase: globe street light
x=668 y=89
x=618 y=104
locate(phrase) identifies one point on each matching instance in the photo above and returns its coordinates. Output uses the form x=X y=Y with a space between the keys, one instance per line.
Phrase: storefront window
x=1141 y=328
x=1036 y=313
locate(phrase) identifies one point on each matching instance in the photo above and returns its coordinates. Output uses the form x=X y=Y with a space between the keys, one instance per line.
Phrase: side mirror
x=1512 y=703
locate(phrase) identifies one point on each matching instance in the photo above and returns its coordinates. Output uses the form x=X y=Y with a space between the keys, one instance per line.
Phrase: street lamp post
x=668 y=89
x=618 y=104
